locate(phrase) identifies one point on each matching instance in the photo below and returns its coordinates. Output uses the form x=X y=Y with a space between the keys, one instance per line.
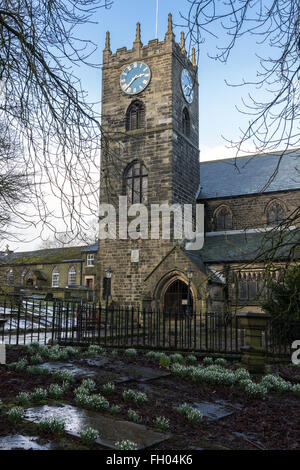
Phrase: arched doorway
x=177 y=298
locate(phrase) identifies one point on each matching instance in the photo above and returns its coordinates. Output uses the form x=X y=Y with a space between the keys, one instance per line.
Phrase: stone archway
x=171 y=293
x=177 y=298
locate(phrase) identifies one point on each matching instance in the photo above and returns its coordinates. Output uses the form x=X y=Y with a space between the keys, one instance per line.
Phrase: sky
x=218 y=102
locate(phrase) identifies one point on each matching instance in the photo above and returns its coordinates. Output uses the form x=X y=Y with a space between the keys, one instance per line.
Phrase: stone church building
x=150 y=154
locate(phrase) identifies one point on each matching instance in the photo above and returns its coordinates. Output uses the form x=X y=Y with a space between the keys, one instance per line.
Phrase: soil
x=270 y=423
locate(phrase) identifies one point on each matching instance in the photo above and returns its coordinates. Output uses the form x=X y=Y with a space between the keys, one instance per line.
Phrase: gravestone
x=110 y=430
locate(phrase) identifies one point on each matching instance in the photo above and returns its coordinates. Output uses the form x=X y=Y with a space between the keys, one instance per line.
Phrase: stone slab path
x=111 y=430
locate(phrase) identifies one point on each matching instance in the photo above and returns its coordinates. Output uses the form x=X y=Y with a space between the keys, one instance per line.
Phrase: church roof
x=245 y=246
x=250 y=174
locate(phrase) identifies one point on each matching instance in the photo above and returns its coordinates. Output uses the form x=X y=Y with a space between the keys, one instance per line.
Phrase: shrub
x=109 y=388
x=242 y=374
x=162 y=423
x=36 y=359
x=23 y=398
x=89 y=435
x=56 y=391
x=89 y=385
x=52 y=425
x=15 y=414
x=140 y=398
x=192 y=414
x=71 y=351
x=39 y=394
x=254 y=390
x=128 y=394
x=176 y=358
x=151 y=354
x=114 y=353
x=115 y=409
x=165 y=361
x=35 y=370
x=18 y=366
x=296 y=390
x=65 y=386
x=191 y=359
x=94 y=350
x=134 y=416
x=64 y=376
x=34 y=348
x=82 y=399
x=126 y=445
x=276 y=383
x=131 y=352
x=207 y=361
x=184 y=408
x=98 y=402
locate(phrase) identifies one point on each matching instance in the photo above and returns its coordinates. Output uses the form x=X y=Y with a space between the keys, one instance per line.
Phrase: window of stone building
x=275 y=214
x=222 y=219
x=23 y=276
x=10 y=277
x=252 y=286
x=55 y=277
x=89 y=281
x=136 y=179
x=90 y=259
x=135 y=116
x=242 y=288
x=72 y=276
x=186 y=123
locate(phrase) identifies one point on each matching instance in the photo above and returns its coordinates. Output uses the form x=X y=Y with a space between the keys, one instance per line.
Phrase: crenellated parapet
x=154 y=47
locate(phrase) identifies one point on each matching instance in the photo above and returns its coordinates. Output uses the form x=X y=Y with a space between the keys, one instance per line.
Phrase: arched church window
x=136 y=180
x=275 y=214
x=135 y=116
x=55 y=277
x=72 y=276
x=223 y=219
x=10 y=277
x=23 y=276
x=186 y=123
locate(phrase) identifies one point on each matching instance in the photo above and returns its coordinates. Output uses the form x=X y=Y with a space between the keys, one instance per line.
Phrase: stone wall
x=250 y=211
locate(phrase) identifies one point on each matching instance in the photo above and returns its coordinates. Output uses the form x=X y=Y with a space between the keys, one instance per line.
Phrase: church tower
x=149 y=150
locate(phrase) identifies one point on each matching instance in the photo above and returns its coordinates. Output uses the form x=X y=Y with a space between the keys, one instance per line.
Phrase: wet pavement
x=111 y=430
x=217 y=409
x=107 y=369
x=19 y=442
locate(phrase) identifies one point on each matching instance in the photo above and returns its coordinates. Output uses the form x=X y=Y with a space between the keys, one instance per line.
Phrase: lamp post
x=108 y=274
x=189 y=273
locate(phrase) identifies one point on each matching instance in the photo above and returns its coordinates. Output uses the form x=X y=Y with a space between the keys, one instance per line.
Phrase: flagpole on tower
x=156 y=30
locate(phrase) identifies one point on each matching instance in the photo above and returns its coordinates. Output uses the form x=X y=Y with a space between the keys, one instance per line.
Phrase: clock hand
x=133 y=79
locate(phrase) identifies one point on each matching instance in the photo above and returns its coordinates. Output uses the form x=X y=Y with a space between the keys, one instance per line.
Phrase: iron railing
x=30 y=320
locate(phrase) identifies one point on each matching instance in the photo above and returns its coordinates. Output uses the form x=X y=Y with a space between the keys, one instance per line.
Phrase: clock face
x=135 y=77
x=187 y=86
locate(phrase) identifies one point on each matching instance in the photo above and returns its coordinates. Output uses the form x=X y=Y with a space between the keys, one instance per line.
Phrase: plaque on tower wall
x=135 y=256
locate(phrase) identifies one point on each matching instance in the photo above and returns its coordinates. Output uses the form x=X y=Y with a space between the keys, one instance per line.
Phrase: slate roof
x=49 y=255
x=248 y=246
x=91 y=248
x=249 y=175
